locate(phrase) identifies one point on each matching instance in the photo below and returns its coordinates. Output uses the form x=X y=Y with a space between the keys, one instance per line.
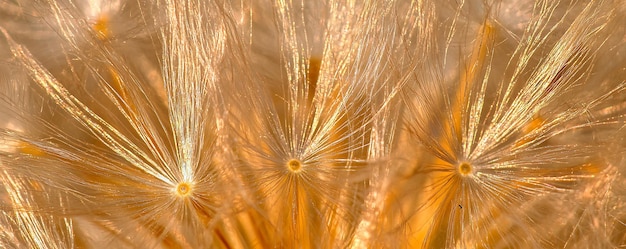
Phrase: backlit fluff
x=312 y=124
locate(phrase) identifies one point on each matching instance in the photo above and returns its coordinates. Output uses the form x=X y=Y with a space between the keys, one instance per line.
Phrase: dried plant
x=312 y=124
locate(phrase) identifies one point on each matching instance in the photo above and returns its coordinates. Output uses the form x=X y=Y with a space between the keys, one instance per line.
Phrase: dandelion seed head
x=294 y=165
x=184 y=189
x=465 y=168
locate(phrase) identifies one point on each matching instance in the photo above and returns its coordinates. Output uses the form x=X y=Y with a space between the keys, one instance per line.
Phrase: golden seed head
x=294 y=165
x=183 y=189
x=464 y=168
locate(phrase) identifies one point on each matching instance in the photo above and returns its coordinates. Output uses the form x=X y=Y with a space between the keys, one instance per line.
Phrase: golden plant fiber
x=312 y=124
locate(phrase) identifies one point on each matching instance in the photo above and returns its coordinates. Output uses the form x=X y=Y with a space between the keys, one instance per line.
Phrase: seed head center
x=294 y=165
x=183 y=189
x=464 y=168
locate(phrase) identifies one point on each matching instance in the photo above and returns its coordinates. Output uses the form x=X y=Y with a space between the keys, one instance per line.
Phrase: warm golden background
x=312 y=124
